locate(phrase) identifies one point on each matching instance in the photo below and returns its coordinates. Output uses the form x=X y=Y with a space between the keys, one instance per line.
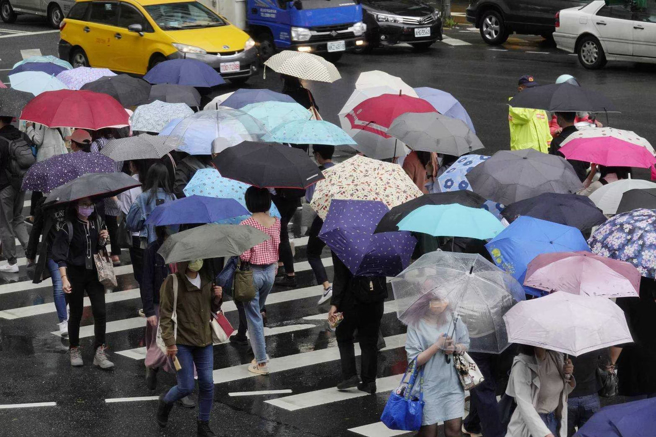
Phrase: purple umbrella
x=47 y=175
x=184 y=72
x=349 y=232
x=44 y=67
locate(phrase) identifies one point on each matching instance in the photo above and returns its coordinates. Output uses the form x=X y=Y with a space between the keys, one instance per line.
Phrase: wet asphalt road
x=34 y=362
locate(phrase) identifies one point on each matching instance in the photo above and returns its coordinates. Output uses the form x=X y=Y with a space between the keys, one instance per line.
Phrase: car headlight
x=184 y=48
x=301 y=34
x=385 y=18
x=358 y=28
x=249 y=44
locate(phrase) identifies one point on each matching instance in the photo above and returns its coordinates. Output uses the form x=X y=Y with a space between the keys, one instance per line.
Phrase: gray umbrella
x=12 y=102
x=210 y=241
x=511 y=176
x=433 y=132
x=95 y=185
x=170 y=93
x=143 y=146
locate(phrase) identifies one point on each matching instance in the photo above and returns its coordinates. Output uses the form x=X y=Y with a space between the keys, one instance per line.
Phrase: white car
x=601 y=32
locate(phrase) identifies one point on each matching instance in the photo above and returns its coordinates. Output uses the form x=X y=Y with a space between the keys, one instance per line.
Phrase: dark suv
x=497 y=19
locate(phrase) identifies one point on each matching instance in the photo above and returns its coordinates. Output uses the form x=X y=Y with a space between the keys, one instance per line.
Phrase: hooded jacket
x=529 y=129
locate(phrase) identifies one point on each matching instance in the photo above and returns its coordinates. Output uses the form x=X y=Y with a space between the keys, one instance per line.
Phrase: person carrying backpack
x=16 y=157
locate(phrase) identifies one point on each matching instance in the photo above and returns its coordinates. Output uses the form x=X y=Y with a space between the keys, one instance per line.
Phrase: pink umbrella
x=2 y=85
x=583 y=273
x=608 y=151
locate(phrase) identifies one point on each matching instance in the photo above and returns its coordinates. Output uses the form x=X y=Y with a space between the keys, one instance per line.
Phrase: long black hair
x=142 y=166
x=156 y=178
x=424 y=158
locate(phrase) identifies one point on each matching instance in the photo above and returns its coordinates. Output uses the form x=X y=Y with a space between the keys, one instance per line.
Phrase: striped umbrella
x=143 y=146
x=304 y=66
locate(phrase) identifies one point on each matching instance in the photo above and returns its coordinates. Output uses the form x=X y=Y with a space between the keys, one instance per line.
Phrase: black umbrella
x=170 y=93
x=567 y=209
x=12 y=102
x=128 y=90
x=269 y=165
x=634 y=199
x=562 y=97
x=390 y=220
x=95 y=185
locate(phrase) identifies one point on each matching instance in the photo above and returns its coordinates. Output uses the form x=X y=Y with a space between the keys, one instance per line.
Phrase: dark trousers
x=83 y=280
x=112 y=227
x=287 y=208
x=36 y=196
x=137 y=256
x=484 y=411
x=243 y=325
x=315 y=246
x=366 y=319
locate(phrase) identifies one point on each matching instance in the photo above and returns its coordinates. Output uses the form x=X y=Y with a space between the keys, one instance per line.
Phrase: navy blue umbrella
x=195 y=210
x=632 y=419
x=44 y=67
x=184 y=72
x=243 y=97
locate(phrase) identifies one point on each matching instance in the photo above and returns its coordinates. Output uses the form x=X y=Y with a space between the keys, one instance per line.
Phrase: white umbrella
x=567 y=323
x=216 y=101
x=377 y=78
x=304 y=66
x=609 y=132
x=608 y=197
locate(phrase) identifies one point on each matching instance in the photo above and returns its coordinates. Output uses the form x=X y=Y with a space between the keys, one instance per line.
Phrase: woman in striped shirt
x=264 y=263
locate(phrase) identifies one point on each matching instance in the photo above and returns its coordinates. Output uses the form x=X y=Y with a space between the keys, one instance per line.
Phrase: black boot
x=163 y=411
x=369 y=387
x=151 y=378
x=204 y=429
x=352 y=382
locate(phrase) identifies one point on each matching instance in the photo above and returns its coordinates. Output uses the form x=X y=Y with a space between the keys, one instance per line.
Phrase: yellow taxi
x=132 y=36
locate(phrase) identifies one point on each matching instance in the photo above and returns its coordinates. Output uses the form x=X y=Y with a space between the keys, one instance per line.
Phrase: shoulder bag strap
x=174 y=314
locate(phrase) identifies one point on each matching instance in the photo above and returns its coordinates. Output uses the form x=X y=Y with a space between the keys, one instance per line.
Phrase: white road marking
x=33 y=405
x=498 y=50
x=261 y=392
x=28 y=53
x=537 y=53
x=136 y=399
x=377 y=429
x=330 y=395
x=454 y=42
x=29 y=33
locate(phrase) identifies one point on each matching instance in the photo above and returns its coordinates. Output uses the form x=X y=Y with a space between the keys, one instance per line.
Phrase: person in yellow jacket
x=529 y=128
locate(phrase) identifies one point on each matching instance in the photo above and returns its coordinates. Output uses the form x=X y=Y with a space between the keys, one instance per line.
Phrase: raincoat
x=524 y=386
x=48 y=142
x=529 y=129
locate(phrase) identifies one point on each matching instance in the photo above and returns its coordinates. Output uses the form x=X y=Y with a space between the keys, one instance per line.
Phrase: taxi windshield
x=179 y=16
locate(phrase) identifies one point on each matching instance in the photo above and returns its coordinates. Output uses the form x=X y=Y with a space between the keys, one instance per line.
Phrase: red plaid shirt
x=267 y=252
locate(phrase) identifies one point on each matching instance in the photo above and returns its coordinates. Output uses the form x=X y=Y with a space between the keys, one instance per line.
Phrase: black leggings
x=112 y=227
x=83 y=280
x=287 y=208
x=137 y=256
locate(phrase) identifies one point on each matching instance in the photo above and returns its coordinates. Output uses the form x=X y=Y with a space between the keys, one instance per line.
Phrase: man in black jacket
x=12 y=225
x=566 y=122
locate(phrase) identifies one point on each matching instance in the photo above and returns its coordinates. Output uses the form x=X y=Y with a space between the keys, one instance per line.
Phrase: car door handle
x=639 y=27
x=87 y=30
x=118 y=36
x=601 y=23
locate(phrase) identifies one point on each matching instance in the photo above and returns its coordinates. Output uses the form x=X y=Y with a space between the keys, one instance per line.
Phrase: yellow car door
x=101 y=29
x=131 y=54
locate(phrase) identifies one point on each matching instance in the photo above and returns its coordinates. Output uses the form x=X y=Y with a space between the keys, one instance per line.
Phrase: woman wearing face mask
x=81 y=236
x=190 y=338
x=433 y=335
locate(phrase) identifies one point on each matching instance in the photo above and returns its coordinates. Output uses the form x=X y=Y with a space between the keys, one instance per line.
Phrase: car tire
x=267 y=46
x=7 y=12
x=421 y=46
x=55 y=16
x=79 y=58
x=333 y=57
x=157 y=58
x=493 y=29
x=591 y=53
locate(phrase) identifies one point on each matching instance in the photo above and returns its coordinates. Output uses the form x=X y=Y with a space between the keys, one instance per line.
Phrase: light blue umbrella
x=209 y=182
x=154 y=117
x=78 y=77
x=445 y=104
x=35 y=82
x=273 y=114
x=310 y=132
x=50 y=59
x=453 y=220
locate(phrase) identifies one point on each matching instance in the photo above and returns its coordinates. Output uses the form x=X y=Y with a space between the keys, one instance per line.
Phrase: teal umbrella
x=309 y=132
x=51 y=59
x=35 y=82
x=452 y=220
x=273 y=114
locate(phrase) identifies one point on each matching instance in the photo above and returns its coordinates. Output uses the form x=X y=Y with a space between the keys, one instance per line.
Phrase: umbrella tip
x=471 y=270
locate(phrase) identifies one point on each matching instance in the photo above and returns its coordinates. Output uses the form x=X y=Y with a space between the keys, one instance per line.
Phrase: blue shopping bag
x=405 y=406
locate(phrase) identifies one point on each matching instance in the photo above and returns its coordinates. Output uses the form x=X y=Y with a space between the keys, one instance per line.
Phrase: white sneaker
x=327 y=294
x=9 y=268
x=63 y=329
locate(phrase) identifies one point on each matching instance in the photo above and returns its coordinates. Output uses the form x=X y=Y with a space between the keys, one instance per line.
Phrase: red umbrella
x=76 y=109
x=376 y=114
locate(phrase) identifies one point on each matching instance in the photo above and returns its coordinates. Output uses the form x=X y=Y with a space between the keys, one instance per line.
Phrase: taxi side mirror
x=136 y=28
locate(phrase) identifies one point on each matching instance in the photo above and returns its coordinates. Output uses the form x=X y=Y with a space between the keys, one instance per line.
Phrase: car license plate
x=423 y=31
x=336 y=46
x=229 y=67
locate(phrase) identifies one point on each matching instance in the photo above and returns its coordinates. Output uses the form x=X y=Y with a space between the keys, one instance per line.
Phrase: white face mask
x=195 y=265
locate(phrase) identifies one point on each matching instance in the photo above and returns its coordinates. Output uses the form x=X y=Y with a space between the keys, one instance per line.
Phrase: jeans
x=203 y=359
x=315 y=246
x=57 y=290
x=484 y=409
x=12 y=225
x=83 y=280
x=263 y=277
x=550 y=420
x=579 y=410
x=287 y=208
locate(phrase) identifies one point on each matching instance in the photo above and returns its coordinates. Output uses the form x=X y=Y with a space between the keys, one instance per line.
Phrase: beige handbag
x=105 y=269
x=468 y=372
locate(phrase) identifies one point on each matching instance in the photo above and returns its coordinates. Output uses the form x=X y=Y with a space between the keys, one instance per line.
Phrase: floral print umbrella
x=78 y=77
x=309 y=132
x=361 y=178
x=629 y=237
x=155 y=116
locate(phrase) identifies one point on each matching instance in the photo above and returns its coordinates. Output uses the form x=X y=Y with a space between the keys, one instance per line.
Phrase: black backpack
x=20 y=157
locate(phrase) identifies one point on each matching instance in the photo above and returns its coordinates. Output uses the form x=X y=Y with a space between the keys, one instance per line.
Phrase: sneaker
x=287 y=281
x=187 y=402
x=9 y=268
x=255 y=362
x=141 y=312
x=238 y=340
x=327 y=294
x=258 y=370
x=204 y=429
x=151 y=378
x=369 y=387
x=352 y=382
x=63 y=329
x=101 y=360
x=76 y=357
x=163 y=411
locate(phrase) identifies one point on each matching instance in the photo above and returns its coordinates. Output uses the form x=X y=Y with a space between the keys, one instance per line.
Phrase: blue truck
x=324 y=27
